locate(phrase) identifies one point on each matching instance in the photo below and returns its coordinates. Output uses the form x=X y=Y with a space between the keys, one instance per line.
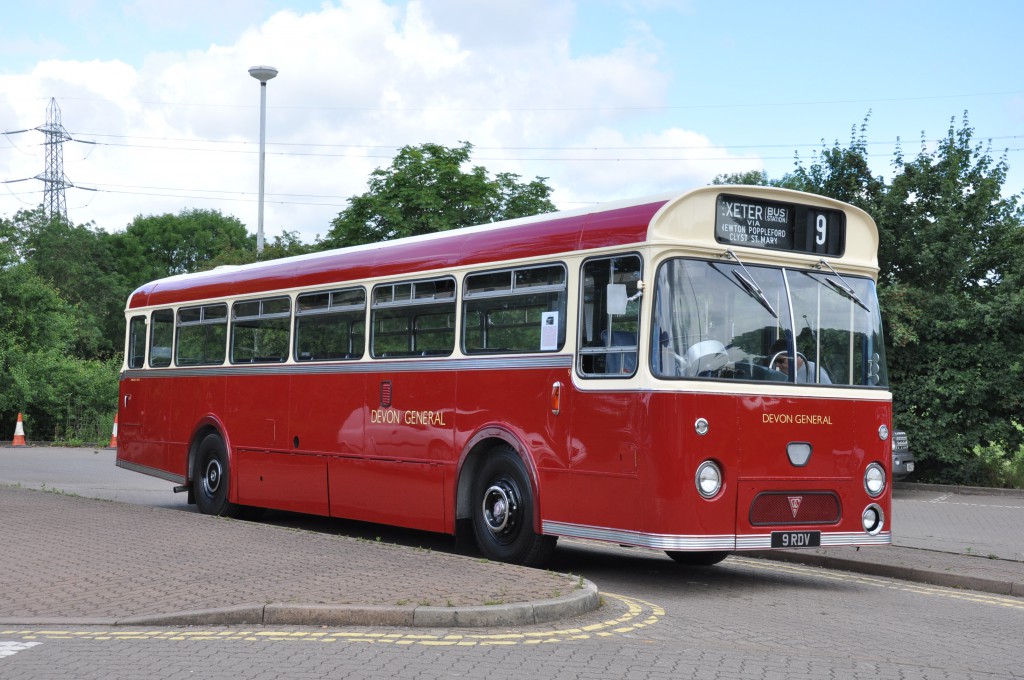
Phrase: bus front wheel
x=503 y=511
x=211 y=479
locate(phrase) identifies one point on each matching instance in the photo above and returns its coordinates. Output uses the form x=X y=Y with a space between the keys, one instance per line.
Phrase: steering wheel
x=707 y=357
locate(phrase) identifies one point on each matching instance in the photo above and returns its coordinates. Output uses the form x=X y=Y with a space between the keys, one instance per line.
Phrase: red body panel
x=748 y=437
x=285 y=481
x=325 y=444
x=626 y=461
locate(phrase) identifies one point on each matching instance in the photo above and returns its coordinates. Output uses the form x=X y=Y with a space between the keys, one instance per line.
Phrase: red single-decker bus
x=698 y=373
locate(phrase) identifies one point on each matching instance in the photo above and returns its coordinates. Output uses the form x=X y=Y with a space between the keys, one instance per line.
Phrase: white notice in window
x=548 y=331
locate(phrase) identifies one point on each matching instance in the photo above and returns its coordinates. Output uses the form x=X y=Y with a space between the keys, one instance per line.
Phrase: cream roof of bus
x=689 y=219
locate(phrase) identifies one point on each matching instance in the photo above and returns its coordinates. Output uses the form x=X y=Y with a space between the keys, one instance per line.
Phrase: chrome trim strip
x=638 y=538
x=153 y=472
x=856 y=538
x=697 y=542
x=828 y=539
x=361 y=366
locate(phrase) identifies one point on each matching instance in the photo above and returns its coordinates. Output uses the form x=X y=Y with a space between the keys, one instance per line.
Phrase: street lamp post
x=262 y=74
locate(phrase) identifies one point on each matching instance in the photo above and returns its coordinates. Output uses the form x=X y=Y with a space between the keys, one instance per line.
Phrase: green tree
x=841 y=172
x=949 y=227
x=750 y=177
x=89 y=281
x=61 y=395
x=427 y=190
x=63 y=289
x=951 y=256
x=10 y=243
x=34 y=315
x=951 y=263
x=163 y=245
x=286 y=244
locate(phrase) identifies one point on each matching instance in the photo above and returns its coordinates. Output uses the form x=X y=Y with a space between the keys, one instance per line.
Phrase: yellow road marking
x=639 y=614
x=880 y=582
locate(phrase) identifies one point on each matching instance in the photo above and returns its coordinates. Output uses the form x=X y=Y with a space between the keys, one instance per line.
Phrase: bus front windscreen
x=727 y=321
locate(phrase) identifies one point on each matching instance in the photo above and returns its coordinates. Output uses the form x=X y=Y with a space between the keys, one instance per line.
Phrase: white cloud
x=354 y=77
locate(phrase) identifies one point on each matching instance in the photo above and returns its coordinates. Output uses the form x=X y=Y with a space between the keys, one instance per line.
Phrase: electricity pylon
x=53 y=178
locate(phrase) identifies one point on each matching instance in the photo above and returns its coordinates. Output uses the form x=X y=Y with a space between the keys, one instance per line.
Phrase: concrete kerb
x=957 y=489
x=583 y=600
x=903 y=573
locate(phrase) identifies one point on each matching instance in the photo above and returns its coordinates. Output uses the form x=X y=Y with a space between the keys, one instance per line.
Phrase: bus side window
x=136 y=351
x=514 y=310
x=161 y=338
x=259 y=330
x=413 y=319
x=330 y=325
x=609 y=316
x=202 y=335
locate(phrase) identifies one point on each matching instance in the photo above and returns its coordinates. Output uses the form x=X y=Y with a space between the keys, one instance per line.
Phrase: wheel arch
x=209 y=424
x=473 y=453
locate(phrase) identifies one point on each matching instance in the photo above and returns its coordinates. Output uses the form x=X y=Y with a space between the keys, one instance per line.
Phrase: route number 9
x=821 y=229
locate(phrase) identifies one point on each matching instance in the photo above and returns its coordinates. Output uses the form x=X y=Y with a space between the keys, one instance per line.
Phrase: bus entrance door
x=606 y=427
x=131 y=408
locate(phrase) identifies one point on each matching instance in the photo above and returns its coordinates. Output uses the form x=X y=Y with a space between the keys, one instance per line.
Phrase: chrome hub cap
x=211 y=480
x=500 y=507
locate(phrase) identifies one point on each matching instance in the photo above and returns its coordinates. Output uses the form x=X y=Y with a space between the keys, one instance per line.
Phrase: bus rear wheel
x=211 y=479
x=698 y=559
x=503 y=512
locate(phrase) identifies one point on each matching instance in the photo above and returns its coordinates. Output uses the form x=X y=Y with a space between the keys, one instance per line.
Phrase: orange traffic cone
x=19 y=433
x=113 y=437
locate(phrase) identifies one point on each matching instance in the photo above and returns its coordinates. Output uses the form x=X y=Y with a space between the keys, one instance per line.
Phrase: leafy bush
x=1000 y=466
x=64 y=399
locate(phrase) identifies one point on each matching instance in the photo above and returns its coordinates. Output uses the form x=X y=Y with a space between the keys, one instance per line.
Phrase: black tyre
x=211 y=478
x=503 y=508
x=698 y=559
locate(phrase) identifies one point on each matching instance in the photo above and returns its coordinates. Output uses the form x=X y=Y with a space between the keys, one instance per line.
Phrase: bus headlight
x=874 y=480
x=708 y=479
x=872 y=519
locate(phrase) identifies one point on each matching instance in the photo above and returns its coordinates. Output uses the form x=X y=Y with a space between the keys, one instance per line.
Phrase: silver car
x=902 y=458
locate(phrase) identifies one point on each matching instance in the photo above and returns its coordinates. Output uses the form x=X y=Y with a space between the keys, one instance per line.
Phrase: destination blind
x=755 y=223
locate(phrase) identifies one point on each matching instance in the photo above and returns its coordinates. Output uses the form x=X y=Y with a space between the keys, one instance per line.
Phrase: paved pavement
x=72 y=560
x=69 y=560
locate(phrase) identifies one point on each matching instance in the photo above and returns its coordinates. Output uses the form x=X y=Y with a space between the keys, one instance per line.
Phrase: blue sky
x=608 y=99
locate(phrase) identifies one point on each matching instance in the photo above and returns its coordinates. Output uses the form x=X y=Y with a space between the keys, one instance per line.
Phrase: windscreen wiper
x=840 y=285
x=748 y=283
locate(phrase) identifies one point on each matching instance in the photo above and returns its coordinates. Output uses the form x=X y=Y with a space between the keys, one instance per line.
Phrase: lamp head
x=263 y=73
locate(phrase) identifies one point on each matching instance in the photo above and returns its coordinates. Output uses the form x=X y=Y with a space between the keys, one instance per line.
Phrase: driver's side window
x=609 y=316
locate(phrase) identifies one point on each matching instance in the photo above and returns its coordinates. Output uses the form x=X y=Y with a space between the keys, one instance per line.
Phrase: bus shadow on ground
x=601 y=563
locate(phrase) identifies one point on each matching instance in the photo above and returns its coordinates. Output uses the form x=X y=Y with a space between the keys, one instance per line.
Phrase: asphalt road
x=744 y=619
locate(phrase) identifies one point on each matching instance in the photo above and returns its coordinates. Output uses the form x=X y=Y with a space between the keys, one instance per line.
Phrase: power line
x=640 y=107
x=794 y=145
x=644 y=148
x=284 y=198
x=55 y=179
x=350 y=148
